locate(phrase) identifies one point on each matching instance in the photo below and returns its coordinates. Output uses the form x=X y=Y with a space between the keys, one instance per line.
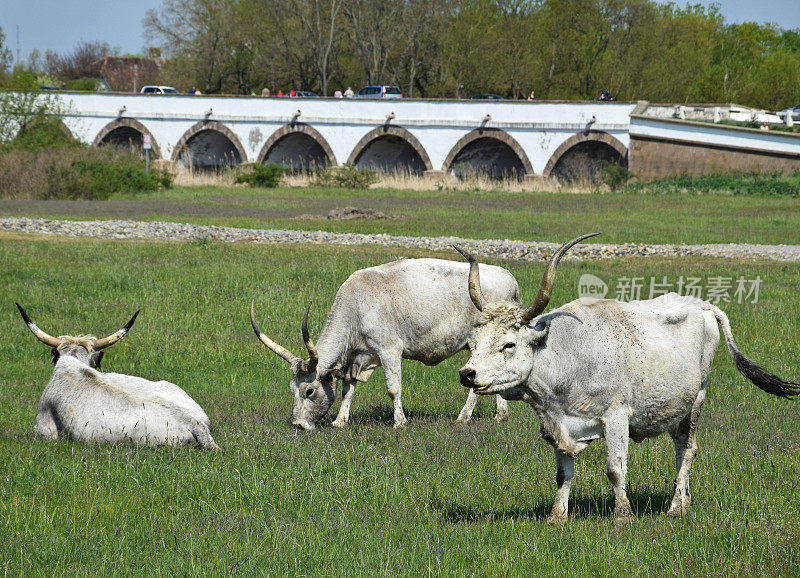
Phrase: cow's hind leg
x=615 y=425
x=685 y=440
x=392 y=370
x=46 y=427
x=565 y=469
x=348 y=389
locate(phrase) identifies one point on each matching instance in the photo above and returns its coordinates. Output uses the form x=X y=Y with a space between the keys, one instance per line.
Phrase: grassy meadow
x=666 y=214
x=434 y=499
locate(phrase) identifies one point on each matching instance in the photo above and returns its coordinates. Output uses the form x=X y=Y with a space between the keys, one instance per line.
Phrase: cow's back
x=651 y=355
x=422 y=303
x=89 y=405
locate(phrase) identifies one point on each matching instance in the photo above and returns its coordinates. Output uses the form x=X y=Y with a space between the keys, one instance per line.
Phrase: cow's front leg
x=615 y=424
x=685 y=440
x=392 y=370
x=565 y=469
x=469 y=407
x=348 y=389
x=502 y=410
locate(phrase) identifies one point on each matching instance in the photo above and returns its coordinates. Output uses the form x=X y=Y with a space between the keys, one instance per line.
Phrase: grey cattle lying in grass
x=90 y=406
x=410 y=308
x=604 y=368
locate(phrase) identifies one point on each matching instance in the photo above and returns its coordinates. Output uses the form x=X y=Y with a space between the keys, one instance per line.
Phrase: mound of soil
x=347 y=213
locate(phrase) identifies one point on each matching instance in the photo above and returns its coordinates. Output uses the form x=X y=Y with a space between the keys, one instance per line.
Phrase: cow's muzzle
x=467 y=377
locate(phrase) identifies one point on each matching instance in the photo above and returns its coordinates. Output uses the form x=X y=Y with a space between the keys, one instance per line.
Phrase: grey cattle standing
x=604 y=368
x=410 y=308
x=88 y=405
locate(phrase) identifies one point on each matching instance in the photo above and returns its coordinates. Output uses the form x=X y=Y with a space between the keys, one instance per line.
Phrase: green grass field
x=671 y=217
x=434 y=499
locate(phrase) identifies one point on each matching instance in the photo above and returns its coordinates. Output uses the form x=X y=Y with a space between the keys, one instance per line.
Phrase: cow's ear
x=54 y=355
x=95 y=358
x=537 y=330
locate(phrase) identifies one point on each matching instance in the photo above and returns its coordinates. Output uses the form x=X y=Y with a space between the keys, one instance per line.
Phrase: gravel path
x=505 y=249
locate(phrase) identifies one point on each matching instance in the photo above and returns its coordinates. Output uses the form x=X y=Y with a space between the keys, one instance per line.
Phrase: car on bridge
x=486 y=96
x=159 y=90
x=794 y=111
x=379 y=91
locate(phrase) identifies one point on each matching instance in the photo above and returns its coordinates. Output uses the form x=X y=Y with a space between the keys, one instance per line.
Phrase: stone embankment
x=503 y=249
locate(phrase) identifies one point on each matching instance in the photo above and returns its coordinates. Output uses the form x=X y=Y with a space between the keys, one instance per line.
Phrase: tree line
x=560 y=49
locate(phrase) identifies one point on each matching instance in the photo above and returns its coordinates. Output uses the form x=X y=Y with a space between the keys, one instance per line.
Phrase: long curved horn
x=313 y=356
x=40 y=335
x=543 y=298
x=114 y=337
x=274 y=347
x=475 y=292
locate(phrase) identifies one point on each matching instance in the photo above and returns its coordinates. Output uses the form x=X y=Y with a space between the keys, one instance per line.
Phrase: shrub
x=344 y=177
x=614 y=175
x=774 y=184
x=262 y=175
x=43 y=132
x=75 y=173
x=83 y=84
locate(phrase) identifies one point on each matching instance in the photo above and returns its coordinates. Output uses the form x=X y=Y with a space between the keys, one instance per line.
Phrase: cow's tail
x=749 y=368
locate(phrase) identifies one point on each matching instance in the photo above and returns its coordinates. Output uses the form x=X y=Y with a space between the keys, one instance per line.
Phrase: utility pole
x=17 y=44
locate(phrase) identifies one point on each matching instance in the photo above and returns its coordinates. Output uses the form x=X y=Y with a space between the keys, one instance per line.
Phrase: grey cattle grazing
x=87 y=405
x=604 y=368
x=410 y=308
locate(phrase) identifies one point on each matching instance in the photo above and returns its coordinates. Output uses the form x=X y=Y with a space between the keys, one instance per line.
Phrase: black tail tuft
x=763 y=380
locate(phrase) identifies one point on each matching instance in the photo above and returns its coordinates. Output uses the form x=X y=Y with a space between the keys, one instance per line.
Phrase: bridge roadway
x=527 y=139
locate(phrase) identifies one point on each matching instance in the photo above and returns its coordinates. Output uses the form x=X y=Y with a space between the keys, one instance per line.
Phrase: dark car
x=306 y=93
x=606 y=96
x=486 y=96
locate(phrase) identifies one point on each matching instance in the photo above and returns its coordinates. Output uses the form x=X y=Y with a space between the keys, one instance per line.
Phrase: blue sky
x=60 y=24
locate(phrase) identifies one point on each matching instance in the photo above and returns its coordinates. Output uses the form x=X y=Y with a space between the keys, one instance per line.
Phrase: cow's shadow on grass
x=383 y=414
x=644 y=504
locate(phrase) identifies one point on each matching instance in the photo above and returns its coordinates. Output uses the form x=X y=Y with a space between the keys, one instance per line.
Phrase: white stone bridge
x=566 y=140
x=502 y=138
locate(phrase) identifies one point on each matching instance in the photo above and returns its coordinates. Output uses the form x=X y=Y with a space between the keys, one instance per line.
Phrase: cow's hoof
x=624 y=515
x=463 y=419
x=556 y=519
x=501 y=417
x=339 y=423
x=400 y=424
x=678 y=510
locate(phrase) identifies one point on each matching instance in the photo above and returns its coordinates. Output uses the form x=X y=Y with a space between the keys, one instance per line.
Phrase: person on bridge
x=293 y=93
x=265 y=92
x=337 y=93
x=349 y=93
x=532 y=96
x=280 y=93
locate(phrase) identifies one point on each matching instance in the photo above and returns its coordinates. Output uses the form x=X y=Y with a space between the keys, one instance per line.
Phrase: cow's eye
x=509 y=346
x=309 y=391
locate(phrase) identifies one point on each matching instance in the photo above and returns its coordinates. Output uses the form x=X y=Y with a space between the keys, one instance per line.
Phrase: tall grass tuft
x=75 y=172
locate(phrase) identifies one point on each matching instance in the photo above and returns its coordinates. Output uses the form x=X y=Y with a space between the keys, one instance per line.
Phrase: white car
x=795 y=113
x=379 y=91
x=159 y=90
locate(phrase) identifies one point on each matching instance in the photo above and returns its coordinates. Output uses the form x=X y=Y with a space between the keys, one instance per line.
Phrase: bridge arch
x=125 y=131
x=489 y=150
x=297 y=146
x=209 y=144
x=583 y=156
x=390 y=148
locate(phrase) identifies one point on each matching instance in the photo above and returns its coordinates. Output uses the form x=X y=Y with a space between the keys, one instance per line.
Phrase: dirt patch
x=348 y=213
